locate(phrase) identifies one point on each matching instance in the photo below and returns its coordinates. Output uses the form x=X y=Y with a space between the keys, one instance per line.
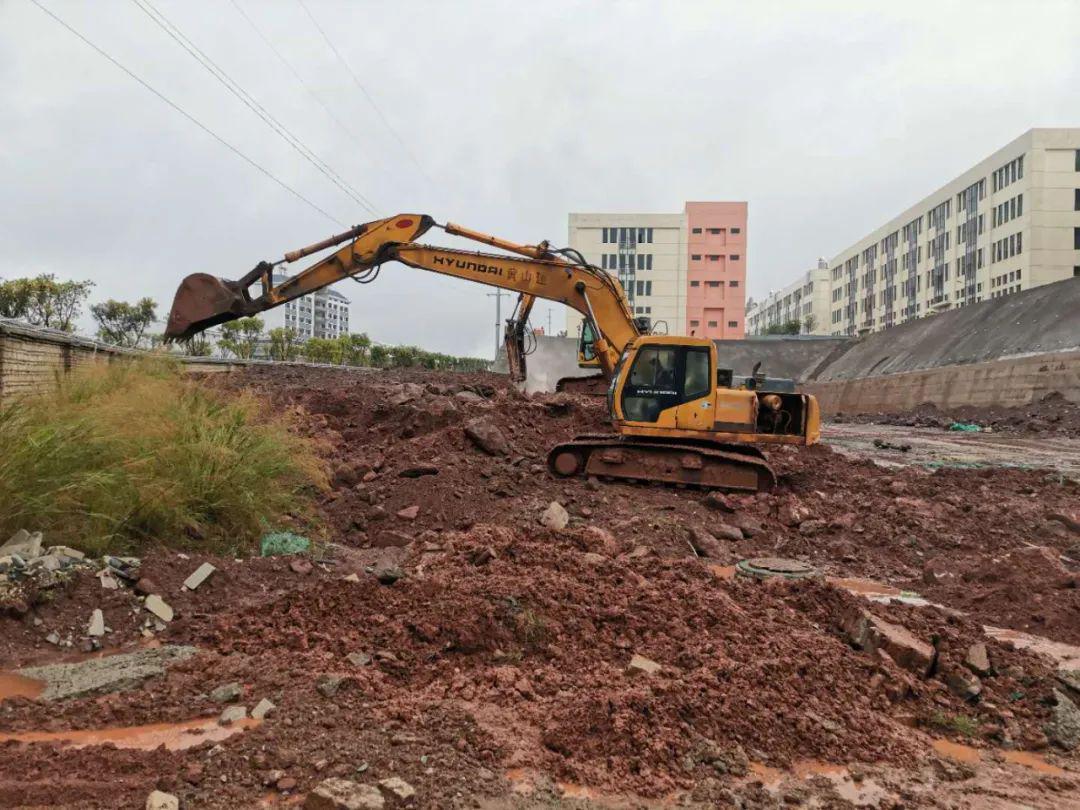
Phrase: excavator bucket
x=203 y=301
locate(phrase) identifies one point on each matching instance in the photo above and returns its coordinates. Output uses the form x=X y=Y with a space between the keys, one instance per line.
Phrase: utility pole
x=497 y=295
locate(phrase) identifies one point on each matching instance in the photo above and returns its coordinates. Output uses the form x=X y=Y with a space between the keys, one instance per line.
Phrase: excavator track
x=709 y=466
x=595 y=385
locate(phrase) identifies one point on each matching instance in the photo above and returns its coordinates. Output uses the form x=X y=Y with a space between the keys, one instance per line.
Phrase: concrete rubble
x=199 y=576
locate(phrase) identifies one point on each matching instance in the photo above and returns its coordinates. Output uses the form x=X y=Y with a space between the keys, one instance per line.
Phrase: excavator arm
x=537 y=271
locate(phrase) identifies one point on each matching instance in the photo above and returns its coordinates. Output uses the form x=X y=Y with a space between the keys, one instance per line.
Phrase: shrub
x=133 y=453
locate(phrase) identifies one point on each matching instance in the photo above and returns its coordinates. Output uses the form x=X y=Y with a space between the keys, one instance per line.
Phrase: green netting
x=965 y=427
x=276 y=544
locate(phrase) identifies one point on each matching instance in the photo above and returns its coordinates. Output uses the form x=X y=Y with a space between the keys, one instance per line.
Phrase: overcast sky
x=829 y=118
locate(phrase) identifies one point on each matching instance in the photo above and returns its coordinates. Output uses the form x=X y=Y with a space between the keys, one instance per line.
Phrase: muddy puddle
x=958 y=752
x=174 y=736
x=13 y=685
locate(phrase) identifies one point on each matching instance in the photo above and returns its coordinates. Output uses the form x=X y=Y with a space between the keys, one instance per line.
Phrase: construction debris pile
x=472 y=627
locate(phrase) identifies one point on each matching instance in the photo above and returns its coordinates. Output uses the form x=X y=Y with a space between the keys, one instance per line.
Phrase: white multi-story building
x=805 y=300
x=1009 y=223
x=323 y=314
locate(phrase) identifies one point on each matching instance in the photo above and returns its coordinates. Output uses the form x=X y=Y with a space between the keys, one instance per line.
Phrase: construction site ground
x=454 y=640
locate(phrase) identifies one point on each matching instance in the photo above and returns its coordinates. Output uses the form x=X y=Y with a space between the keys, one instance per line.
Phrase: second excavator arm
x=536 y=271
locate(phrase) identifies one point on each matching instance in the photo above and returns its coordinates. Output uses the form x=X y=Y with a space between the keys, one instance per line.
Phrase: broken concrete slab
x=159 y=800
x=977 y=659
x=159 y=607
x=199 y=576
x=640 y=665
x=97 y=623
x=1064 y=726
x=262 y=709
x=343 y=794
x=869 y=633
x=232 y=714
x=113 y=673
x=23 y=543
x=66 y=551
x=397 y=787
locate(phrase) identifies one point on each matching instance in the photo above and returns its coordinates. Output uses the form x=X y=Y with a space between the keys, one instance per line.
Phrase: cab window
x=663 y=377
x=585 y=347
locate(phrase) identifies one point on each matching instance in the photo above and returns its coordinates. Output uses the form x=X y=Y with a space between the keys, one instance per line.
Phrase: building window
x=739 y=230
x=712 y=283
x=696 y=257
x=696 y=230
x=1077 y=167
x=712 y=323
x=1076 y=238
x=733 y=283
x=695 y=283
x=641 y=261
x=603 y=261
x=648 y=259
x=733 y=324
x=1076 y=199
x=695 y=323
x=713 y=230
x=648 y=234
x=734 y=257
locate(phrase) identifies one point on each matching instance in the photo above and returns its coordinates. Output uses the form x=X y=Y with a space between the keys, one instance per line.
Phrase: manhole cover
x=765 y=567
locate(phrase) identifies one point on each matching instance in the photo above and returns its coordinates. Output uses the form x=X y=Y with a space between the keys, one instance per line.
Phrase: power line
x=363 y=90
x=297 y=75
x=190 y=117
x=251 y=102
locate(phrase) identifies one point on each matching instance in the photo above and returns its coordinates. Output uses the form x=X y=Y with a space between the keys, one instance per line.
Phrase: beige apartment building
x=1009 y=223
x=686 y=272
x=805 y=300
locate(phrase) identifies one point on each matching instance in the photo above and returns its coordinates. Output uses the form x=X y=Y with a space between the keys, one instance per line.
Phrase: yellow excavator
x=678 y=417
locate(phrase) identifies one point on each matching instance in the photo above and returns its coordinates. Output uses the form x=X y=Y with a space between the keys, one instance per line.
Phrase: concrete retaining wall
x=33 y=359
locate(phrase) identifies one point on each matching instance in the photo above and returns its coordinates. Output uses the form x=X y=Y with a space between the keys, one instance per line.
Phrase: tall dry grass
x=134 y=453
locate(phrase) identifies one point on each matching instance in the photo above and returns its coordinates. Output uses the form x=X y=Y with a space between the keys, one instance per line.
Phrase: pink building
x=716 y=269
x=685 y=272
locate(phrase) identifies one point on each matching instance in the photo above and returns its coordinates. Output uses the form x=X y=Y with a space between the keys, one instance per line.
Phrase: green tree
x=792 y=327
x=321 y=350
x=121 y=323
x=380 y=355
x=284 y=344
x=355 y=349
x=241 y=337
x=197 y=346
x=43 y=300
x=809 y=322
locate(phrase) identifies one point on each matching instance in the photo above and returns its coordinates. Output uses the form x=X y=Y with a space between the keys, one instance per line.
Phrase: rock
x=591 y=558
x=158 y=800
x=398 y=787
x=53 y=638
x=391 y=539
x=977 y=659
x=486 y=435
x=232 y=714
x=23 y=543
x=727 y=532
x=481 y=555
x=144 y=586
x=1064 y=726
x=369 y=476
x=1070 y=521
x=193 y=773
x=262 y=709
x=358 y=659
x=156 y=605
x=353 y=577
x=301 y=566
x=640 y=665
x=343 y=794
x=555 y=516
x=593 y=483
x=97 y=623
x=386 y=570
x=330 y=685
x=198 y=576
x=963 y=684
x=226 y=693
x=720 y=502
x=285 y=784
x=409 y=512
x=868 y=632
x=792 y=513
x=750 y=526
x=706 y=545
x=1070 y=679
x=898 y=487
x=808 y=528
x=419 y=470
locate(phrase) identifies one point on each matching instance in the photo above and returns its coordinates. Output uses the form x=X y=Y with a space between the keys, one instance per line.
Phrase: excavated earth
x=441 y=633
